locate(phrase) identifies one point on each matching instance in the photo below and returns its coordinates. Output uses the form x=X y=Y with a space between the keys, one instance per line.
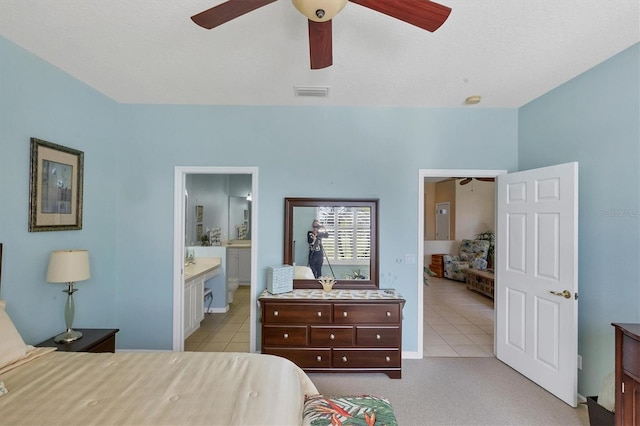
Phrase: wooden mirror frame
x=290 y=203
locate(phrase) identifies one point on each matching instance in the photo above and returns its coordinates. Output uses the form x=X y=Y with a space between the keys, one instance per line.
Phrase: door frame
x=443 y=173
x=179 y=185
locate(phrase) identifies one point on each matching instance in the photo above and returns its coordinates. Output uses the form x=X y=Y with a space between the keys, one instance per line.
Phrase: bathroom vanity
x=195 y=276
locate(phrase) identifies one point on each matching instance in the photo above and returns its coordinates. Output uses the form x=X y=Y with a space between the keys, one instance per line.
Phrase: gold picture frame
x=55 y=187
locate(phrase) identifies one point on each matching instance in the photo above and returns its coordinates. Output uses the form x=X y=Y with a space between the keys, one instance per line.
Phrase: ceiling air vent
x=312 y=91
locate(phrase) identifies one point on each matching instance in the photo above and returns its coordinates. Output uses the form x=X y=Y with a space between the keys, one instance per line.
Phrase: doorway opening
x=442 y=285
x=183 y=237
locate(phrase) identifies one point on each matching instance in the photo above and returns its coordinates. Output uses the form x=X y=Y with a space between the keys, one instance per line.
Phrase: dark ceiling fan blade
x=486 y=179
x=320 y=44
x=227 y=11
x=465 y=181
x=421 y=13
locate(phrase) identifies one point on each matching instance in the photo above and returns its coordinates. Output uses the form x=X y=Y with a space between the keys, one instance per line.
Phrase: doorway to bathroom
x=209 y=219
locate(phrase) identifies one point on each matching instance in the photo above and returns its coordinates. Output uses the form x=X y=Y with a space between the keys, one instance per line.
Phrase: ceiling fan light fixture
x=319 y=10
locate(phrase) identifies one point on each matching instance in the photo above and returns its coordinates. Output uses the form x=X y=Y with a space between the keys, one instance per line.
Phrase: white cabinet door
x=233 y=257
x=198 y=302
x=188 y=312
x=244 y=265
x=193 y=305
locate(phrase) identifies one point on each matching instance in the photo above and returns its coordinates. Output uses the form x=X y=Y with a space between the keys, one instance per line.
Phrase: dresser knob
x=344 y=359
x=286 y=335
x=345 y=314
x=332 y=336
x=388 y=359
x=318 y=358
x=378 y=337
x=319 y=313
x=275 y=313
x=388 y=313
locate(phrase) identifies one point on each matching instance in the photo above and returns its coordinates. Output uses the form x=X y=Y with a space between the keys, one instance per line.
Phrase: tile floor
x=228 y=332
x=457 y=322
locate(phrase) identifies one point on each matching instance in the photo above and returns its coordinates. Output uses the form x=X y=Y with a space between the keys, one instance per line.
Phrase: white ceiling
x=149 y=51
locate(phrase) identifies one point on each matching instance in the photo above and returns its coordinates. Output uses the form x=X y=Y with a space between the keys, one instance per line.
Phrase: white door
x=443 y=221
x=537 y=276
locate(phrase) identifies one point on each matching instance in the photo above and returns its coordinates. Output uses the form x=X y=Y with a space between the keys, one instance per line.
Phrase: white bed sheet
x=189 y=388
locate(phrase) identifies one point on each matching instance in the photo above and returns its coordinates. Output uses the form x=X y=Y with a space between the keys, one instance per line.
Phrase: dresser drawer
x=306 y=313
x=332 y=336
x=304 y=358
x=366 y=358
x=379 y=313
x=285 y=335
x=631 y=355
x=378 y=336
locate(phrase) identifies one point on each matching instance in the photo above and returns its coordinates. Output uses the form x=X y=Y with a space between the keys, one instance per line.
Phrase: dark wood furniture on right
x=627 y=390
x=481 y=281
x=355 y=331
x=437 y=265
x=93 y=340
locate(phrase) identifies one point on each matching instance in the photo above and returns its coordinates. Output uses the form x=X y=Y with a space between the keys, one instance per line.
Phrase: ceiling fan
x=465 y=181
x=424 y=14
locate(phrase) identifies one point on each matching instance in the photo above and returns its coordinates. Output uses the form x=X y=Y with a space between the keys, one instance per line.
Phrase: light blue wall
x=131 y=152
x=38 y=100
x=595 y=119
x=370 y=152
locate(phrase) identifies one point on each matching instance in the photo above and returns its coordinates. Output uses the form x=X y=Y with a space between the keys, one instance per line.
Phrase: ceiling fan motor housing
x=319 y=10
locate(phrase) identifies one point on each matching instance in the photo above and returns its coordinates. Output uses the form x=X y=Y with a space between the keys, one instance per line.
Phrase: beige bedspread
x=155 y=389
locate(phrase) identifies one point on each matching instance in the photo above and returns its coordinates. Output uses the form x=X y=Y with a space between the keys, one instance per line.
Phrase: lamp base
x=68 y=336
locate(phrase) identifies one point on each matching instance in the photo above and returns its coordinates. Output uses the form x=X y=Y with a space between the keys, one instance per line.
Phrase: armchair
x=472 y=254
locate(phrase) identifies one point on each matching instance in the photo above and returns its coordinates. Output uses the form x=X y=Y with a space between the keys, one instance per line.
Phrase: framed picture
x=199 y=213
x=55 y=187
x=199 y=231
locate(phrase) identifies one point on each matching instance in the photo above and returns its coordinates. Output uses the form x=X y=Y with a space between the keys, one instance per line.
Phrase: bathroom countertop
x=201 y=266
x=237 y=243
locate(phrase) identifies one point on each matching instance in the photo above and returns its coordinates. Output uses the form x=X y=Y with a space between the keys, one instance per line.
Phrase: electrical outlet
x=579 y=362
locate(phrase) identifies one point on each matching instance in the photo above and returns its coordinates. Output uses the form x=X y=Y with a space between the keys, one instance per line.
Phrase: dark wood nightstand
x=93 y=340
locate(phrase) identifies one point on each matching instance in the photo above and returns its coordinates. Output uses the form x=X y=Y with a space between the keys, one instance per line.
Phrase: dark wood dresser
x=337 y=331
x=627 y=411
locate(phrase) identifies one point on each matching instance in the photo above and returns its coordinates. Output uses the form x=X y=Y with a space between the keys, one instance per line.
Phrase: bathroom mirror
x=239 y=218
x=349 y=241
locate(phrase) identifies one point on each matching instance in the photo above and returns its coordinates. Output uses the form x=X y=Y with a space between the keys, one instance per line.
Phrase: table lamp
x=69 y=267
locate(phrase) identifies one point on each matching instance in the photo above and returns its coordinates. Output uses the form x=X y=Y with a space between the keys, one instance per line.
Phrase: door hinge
x=576 y=295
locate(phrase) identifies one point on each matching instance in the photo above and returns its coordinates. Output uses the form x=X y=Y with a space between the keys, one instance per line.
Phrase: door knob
x=566 y=294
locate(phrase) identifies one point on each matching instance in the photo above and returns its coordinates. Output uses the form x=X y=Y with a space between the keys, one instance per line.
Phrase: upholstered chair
x=472 y=254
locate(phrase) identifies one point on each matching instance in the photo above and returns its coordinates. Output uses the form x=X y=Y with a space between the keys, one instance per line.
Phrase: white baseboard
x=410 y=355
x=217 y=310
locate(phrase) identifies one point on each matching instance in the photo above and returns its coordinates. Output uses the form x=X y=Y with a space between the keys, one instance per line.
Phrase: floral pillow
x=364 y=410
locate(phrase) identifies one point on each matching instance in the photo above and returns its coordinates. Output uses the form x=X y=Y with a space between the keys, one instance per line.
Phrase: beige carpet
x=458 y=391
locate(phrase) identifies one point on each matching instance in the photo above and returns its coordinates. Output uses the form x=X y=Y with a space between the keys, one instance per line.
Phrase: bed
x=40 y=386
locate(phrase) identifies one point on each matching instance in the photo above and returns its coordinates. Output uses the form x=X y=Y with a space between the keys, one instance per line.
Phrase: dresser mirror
x=345 y=239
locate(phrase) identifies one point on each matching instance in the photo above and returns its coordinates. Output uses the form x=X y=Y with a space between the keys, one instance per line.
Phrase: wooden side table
x=480 y=281
x=437 y=265
x=93 y=340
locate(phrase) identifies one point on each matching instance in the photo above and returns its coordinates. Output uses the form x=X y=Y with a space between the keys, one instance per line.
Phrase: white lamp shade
x=66 y=266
